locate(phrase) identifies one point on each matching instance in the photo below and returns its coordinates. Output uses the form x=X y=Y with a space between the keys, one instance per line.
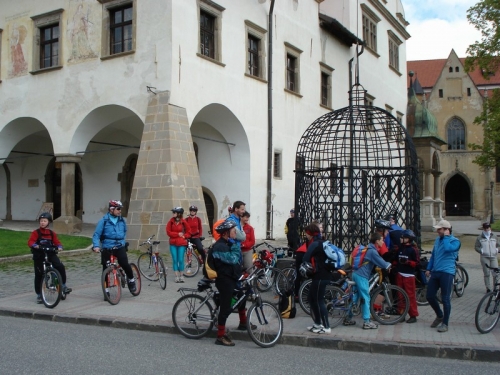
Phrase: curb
x=480 y=354
x=19 y=258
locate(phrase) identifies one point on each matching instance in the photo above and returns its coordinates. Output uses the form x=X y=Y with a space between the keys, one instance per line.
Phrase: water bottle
x=345 y=285
x=154 y=259
x=233 y=301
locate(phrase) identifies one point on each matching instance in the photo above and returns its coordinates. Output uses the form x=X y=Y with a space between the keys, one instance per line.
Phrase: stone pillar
x=438 y=202
x=67 y=223
x=166 y=174
x=427 y=204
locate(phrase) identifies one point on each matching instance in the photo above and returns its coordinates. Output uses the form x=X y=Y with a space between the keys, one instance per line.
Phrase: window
x=369 y=116
x=255 y=44
x=468 y=91
x=450 y=69
x=456 y=135
x=497 y=177
x=394 y=43
x=370 y=20
x=440 y=93
x=47 y=40
x=277 y=164
x=292 y=68
x=210 y=30
x=457 y=69
x=326 y=85
x=118 y=28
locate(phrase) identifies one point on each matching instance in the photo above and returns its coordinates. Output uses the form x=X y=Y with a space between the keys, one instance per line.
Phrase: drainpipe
x=269 y=229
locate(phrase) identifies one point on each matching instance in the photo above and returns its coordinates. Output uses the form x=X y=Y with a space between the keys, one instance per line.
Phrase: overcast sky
x=438 y=26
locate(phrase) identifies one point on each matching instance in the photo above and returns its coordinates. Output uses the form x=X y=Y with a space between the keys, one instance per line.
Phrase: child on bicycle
x=45 y=237
x=406 y=263
x=361 y=274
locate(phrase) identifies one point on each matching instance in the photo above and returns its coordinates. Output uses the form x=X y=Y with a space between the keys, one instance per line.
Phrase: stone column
x=438 y=202
x=67 y=223
x=427 y=204
x=166 y=174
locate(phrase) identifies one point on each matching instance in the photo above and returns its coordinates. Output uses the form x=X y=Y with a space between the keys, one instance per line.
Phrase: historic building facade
x=165 y=103
x=451 y=99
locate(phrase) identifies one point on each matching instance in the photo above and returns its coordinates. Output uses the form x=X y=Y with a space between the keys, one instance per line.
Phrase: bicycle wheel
x=305 y=287
x=137 y=277
x=390 y=300
x=51 y=288
x=488 y=312
x=162 y=273
x=268 y=321
x=285 y=280
x=459 y=282
x=146 y=267
x=336 y=304
x=193 y=316
x=111 y=285
x=266 y=281
x=421 y=294
x=465 y=274
x=191 y=264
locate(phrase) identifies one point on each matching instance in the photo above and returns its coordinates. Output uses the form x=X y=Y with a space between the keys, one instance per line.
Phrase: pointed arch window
x=456 y=135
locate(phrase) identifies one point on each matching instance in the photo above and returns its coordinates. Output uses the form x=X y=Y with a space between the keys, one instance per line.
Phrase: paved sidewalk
x=151 y=311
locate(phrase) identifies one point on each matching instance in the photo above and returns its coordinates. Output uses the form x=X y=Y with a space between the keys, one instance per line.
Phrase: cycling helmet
x=266 y=257
x=193 y=208
x=384 y=224
x=390 y=216
x=45 y=215
x=230 y=209
x=225 y=226
x=306 y=269
x=408 y=233
x=178 y=210
x=115 y=203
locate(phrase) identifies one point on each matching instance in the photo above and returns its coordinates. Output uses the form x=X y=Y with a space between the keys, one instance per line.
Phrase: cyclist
x=393 y=238
x=178 y=230
x=406 y=264
x=383 y=227
x=110 y=233
x=43 y=236
x=219 y=222
x=195 y=230
x=227 y=254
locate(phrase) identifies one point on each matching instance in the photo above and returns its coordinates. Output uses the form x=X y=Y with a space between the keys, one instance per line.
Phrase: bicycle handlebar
x=497 y=270
x=49 y=249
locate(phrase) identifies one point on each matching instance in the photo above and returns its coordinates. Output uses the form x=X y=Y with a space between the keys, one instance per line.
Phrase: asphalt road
x=41 y=347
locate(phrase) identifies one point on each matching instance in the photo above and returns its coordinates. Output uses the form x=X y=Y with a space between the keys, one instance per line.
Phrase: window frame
x=113 y=27
x=278 y=164
x=253 y=30
x=294 y=53
x=328 y=72
x=109 y=6
x=214 y=10
x=369 y=102
x=394 y=42
x=369 y=22
x=453 y=134
x=1 y=32
x=49 y=42
x=42 y=22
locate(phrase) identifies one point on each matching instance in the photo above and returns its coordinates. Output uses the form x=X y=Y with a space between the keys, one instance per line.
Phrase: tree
x=484 y=54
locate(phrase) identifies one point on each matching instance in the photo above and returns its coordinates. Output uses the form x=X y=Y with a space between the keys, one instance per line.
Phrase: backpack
x=286 y=305
x=335 y=256
x=358 y=257
x=209 y=269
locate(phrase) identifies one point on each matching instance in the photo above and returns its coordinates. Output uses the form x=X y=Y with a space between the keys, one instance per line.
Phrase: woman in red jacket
x=178 y=230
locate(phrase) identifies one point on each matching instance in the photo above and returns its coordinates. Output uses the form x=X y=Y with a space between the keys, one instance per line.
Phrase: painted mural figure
x=79 y=31
x=19 y=66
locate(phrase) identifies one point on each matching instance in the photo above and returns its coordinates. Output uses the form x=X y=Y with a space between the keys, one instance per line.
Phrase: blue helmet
x=408 y=233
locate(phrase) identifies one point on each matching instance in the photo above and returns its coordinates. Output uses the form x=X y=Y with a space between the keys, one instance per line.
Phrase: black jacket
x=315 y=251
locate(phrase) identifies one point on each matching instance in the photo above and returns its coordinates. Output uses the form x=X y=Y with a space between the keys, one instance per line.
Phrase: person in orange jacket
x=178 y=230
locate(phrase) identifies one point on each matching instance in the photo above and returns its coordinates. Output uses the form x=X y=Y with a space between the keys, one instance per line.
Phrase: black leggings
x=56 y=263
x=121 y=256
x=197 y=243
x=226 y=287
x=317 y=302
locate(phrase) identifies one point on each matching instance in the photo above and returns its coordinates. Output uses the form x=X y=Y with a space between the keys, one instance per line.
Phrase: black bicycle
x=51 y=284
x=151 y=264
x=488 y=309
x=194 y=316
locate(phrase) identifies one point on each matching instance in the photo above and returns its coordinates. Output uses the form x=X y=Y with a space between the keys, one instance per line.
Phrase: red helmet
x=266 y=257
x=115 y=203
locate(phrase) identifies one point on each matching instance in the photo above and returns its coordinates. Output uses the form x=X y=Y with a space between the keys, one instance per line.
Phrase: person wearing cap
x=109 y=235
x=292 y=232
x=441 y=269
x=487 y=246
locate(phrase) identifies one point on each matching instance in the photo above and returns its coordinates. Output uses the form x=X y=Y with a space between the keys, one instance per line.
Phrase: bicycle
x=192 y=264
x=152 y=267
x=389 y=304
x=51 y=284
x=113 y=279
x=459 y=283
x=488 y=309
x=194 y=316
x=271 y=273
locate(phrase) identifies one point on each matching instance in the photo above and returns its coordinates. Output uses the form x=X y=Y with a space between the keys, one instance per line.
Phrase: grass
x=14 y=243
x=495 y=227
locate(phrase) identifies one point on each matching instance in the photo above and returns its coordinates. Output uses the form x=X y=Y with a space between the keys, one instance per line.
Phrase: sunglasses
x=118 y=208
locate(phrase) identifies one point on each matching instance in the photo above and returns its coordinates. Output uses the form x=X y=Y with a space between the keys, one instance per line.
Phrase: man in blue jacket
x=110 y=233
x=441 y=269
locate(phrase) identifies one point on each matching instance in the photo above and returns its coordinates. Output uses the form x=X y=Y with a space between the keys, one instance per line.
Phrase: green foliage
x=16 y=243
x=484 y=54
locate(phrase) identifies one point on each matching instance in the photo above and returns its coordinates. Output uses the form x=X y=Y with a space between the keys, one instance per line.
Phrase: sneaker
x=348 y=322
x=39 y=298
x=131 y=286
x=181 y=279
x=188 y=271
x=323 y=330
x=67 y=290
x=383 y=315
x=224 y=341
x=392 y=311
x=488 y=290
x=243 y=327
x=313 y=327
x=412 y=320
x=369 y=325
x=442 y=328
x=436 y=322
x=176 y=279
